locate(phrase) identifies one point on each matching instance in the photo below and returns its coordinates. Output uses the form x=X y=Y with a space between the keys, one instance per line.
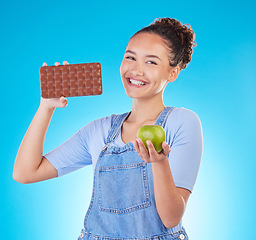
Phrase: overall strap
x=118 y=120
x=161 y=120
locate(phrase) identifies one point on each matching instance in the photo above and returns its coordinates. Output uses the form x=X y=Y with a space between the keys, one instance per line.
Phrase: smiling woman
x=146 y=65
x=137 y=192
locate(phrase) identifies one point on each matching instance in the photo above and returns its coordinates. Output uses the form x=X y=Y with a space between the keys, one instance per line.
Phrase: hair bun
x=180 y=39
x=184 y=33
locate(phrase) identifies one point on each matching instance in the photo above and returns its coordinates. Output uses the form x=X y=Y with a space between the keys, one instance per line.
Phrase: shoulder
x=183 y=122
x=183 y=116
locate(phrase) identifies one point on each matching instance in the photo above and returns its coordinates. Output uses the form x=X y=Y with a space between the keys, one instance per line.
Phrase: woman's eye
x=130 y=58
x=151 y=62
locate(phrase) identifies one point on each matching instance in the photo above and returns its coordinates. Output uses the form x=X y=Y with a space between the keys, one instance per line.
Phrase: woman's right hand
x=53 y=103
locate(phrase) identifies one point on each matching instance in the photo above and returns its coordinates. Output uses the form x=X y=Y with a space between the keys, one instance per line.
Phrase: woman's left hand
x=151 y=155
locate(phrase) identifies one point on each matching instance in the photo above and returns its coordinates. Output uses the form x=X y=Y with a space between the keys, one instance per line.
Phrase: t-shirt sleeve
x=186 y=149
x=73 y=154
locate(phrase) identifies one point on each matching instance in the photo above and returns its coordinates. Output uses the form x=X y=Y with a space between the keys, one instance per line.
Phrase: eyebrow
x=152 y=56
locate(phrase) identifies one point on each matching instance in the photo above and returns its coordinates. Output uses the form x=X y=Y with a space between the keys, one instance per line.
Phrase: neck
x=146 y=110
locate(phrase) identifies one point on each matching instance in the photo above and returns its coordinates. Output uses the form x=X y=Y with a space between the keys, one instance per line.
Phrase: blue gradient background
x=219 y=85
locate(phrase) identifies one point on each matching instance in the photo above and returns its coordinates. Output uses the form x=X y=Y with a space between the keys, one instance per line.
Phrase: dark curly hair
x=178 y=38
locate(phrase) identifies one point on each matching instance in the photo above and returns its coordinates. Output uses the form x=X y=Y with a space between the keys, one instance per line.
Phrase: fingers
x=141 y=150
x=56 y=63
x=63 y=101
x=64 y=63
x=151 y=155
x=166 y=148
x=152 y=151
x=136 y=145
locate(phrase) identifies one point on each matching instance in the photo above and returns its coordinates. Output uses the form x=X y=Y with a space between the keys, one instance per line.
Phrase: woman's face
x=145 y=68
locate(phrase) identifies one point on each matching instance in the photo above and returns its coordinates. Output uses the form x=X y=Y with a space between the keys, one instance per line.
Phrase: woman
x=137 y=193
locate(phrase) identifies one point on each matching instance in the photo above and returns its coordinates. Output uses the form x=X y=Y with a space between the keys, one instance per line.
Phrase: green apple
x=153 y=133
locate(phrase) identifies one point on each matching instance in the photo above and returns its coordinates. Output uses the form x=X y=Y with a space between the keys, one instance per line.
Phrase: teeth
x=135 y=82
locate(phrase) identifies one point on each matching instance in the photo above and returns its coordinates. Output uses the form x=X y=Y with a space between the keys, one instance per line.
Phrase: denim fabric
x=180 y=235
x=123 y=203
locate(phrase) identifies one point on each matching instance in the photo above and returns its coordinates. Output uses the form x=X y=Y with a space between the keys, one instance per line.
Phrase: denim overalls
x=123 y=203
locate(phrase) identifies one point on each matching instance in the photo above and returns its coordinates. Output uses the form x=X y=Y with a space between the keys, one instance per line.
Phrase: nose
x=137 y=69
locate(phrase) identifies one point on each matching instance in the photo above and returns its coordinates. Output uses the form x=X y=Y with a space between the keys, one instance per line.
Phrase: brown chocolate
x=71 y=80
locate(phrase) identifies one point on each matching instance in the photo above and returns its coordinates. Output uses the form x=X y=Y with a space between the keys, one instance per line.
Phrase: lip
x=137 y=86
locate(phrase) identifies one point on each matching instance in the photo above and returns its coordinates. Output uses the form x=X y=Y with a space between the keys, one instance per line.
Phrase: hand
x=151 y=155
x=53 y=103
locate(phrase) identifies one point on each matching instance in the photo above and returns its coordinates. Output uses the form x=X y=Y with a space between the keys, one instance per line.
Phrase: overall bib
x=123 y=203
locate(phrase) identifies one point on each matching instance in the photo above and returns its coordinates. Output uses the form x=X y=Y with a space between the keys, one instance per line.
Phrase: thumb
x=166 y=148
x=62 y=99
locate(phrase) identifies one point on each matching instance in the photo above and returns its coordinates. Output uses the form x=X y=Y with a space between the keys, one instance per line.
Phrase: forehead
x=148 y=43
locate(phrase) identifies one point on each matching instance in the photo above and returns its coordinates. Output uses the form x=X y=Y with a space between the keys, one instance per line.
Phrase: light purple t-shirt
x=183 y=134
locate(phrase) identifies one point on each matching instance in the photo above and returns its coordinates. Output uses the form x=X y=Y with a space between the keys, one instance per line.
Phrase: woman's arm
x=175 y=171
x=170 y=200
x=29 y=165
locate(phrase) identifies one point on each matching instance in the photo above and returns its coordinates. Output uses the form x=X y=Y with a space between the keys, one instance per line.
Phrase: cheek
x=123 y=68
x=165 y=74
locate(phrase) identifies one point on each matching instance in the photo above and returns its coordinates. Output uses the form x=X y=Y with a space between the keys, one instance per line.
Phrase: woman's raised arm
x=30 y=166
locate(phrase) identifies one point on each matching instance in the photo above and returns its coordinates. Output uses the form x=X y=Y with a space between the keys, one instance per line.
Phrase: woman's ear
x=174 y=73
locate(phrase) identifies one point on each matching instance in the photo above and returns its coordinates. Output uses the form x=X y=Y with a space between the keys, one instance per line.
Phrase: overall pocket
x=123 y=188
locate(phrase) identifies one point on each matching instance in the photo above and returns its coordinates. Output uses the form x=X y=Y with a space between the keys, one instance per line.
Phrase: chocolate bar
x=71 y=80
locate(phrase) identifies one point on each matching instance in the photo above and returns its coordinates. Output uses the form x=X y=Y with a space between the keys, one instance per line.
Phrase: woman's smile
x=136 y=82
